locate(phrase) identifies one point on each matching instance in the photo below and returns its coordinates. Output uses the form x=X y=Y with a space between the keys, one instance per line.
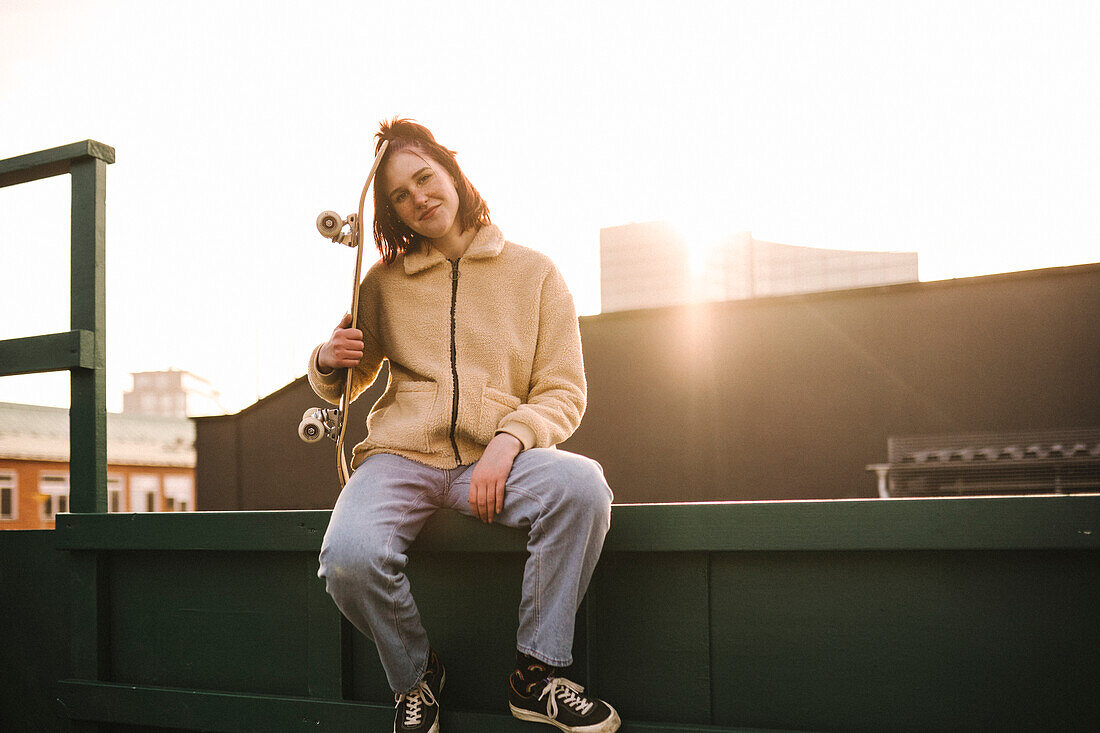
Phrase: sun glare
x=700 y=243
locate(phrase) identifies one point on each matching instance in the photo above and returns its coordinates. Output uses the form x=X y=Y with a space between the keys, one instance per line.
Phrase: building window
x=53 y=489
x=115 y=487
x=9 y=504
x=144 y=493
x=178 y=494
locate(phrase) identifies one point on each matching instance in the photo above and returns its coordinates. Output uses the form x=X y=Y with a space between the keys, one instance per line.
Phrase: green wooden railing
x=82 y=350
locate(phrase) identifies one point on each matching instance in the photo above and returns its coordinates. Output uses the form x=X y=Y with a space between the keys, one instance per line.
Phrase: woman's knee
x=583 y=487
x=595 y=496
x=353 y=560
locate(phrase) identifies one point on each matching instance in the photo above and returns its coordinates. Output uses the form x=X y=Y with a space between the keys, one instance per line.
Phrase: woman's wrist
x=515 y=443
x=321 y=368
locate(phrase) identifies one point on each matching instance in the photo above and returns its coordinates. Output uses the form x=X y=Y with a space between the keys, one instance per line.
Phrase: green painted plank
x=88 y=393
x=48 y=353
x=906 y=641
x=972 y=523
x=213 y=711
x=35 y=653
x=650 y=615
x=52 y=162
x=89 y=652
x=325 y=639
x=229 y=531
x=236 y=622
x=222 y=712
x=1039 y=522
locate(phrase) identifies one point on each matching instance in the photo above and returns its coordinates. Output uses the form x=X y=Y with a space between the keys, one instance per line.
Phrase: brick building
x=150 y=464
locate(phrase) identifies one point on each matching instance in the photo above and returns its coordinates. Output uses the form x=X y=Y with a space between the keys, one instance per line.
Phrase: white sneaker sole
x=610 y=725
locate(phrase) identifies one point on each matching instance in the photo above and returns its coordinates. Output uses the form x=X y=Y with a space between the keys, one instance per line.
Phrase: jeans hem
x=419 y=675
x=548 y=659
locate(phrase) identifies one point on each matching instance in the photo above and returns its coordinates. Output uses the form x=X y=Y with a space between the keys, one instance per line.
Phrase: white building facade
x=171 y=393
x=650 y=265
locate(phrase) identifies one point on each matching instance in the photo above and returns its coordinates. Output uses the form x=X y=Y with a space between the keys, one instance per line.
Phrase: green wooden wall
x=901 y=615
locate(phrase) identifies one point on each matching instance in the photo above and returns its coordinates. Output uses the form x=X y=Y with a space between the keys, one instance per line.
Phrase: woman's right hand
x=343 y=349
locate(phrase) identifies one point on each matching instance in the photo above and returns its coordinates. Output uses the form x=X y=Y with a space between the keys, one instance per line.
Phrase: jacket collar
x=488 y=242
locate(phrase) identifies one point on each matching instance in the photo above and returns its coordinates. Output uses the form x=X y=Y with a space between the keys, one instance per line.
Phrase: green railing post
x=88 y=407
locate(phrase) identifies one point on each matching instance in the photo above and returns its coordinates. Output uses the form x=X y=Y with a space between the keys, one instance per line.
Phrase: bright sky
x=963 y=130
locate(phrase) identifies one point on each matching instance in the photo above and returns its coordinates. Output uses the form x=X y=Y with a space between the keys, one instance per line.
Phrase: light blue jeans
x=560 y=497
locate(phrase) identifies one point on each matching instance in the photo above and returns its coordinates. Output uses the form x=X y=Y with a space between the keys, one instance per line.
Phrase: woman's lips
x=427 y=214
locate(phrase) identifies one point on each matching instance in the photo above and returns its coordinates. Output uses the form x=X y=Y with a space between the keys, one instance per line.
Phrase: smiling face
x=422 y=193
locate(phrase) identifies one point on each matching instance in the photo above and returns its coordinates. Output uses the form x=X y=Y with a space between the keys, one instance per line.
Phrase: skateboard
x=317 y=422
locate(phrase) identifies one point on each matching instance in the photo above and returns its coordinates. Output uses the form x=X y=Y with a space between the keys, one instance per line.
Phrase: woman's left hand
x=490 y=475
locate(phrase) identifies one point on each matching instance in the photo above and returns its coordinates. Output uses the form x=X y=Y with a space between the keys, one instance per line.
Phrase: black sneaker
x=560 y=702
x=418 y=710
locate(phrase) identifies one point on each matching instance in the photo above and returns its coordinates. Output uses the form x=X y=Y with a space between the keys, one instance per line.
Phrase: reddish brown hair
x=390 y=234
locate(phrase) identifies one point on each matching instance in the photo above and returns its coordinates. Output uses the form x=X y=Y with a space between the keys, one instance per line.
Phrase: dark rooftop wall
x=793 y=397
x=776 y=398
x=255 y=460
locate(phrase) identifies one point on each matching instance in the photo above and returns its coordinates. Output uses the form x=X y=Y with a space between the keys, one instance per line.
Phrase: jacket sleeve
x=329 y=386
x=558 y=392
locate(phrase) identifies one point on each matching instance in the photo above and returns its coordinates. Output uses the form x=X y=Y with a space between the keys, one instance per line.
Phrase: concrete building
x=150 y=464
x=171 y=393
x=651 y=264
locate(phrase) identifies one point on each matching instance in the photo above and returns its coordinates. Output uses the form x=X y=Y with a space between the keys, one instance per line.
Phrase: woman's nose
x=421 y=198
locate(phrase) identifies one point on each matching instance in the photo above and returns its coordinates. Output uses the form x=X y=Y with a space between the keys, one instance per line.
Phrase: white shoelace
x=421 y=695
x=570 y=694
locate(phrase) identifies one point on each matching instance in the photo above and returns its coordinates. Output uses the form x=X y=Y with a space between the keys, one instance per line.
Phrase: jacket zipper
x=454 y=362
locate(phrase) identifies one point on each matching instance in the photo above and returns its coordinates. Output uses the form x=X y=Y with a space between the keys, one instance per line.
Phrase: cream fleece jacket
x=498 y=325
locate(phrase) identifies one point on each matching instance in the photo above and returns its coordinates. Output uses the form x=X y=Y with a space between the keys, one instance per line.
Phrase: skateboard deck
x=333 y=422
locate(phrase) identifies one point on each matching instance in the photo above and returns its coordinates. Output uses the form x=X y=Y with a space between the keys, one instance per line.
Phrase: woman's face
x=421 y=192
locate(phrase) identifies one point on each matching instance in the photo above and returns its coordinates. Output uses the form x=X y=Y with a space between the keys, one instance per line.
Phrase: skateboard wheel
x=311 y=412
x=311 y=430
x=329 y=224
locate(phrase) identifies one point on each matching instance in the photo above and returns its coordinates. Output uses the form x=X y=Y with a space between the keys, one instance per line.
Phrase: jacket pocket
x=403 y=419
x=495 y=405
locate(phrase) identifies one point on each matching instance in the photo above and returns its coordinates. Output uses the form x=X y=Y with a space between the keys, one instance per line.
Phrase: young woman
x=486 y=377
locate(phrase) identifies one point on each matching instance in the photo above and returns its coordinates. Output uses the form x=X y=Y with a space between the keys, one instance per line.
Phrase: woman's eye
x=424 y=178
x=399 y=198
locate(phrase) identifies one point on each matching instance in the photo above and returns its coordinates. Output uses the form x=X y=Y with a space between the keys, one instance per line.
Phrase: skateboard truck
x=331 y=225
x=319 y=423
